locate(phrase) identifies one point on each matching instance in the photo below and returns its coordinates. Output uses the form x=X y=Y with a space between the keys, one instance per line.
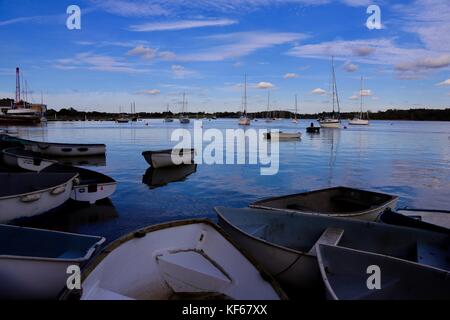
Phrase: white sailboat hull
x=244 y=121
x=330 y=123
x=358 y=122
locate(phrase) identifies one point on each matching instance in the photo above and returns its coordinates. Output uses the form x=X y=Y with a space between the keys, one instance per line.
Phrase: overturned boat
x=285 y=243
x=345 y=275
x=91 y=185
x=28 y=160
x=169 y=157
x=431 y=220
x=337 y=202
x=280 y=136
x=34 y=263
x=60 y=149
x=155 y=178
x=179 y=260
x=24 y=195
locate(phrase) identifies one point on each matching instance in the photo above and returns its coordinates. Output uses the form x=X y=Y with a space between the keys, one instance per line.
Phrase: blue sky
x=151 y=52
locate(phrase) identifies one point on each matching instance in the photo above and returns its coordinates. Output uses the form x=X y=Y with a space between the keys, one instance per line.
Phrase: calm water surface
x=410 y=159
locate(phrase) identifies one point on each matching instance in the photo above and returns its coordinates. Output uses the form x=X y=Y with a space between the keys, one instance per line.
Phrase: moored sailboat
x=244 y=120
x=360 y=121
x=334 y=121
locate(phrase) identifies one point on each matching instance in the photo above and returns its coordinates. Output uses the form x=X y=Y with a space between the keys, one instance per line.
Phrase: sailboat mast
x=333 y=81
x=245 y=95
x=361 y=98
x=296 y=107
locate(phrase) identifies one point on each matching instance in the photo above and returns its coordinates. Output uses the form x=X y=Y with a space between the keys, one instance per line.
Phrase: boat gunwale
x=32 y=142
x=75 y=175
x=271 y=244
x=166 y=151
x=9 y=152
x=103 y=254
x=380 y=255
x=260 y=203
x=88 y=254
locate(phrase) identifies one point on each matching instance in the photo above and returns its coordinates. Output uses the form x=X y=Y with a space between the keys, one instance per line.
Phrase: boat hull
x=175 y=260
x=67 y=150
x=434 y=217
x=358 y=122
x=35 y=203
x=330 y=124
x=280 y=136
x=169 y=158
x=244 y=121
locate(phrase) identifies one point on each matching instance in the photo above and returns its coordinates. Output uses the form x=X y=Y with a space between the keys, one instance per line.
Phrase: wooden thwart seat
x=331 y=236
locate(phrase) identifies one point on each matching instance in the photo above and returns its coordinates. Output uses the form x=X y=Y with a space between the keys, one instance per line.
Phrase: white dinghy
x=285 y=243
x=168 y=158
x=340 y=202
x=60 y=149
x=92 y=186
x=28 y=160
x=344 y=272
x=178 y=260
x=282 y=136
x=33 y=262
x=24 y=195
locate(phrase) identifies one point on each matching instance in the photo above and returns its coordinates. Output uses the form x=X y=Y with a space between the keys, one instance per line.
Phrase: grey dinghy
x=24 y=195
x=191 y=259
x=337 y=202
x=165 y=158
x=33 y=263
x=344 y=272
x=91 y=187
x=28 y=160
x=60 y=149
x=285 y=243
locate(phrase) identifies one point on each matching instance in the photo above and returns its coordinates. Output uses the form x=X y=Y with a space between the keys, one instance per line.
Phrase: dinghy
x=34 y=263
x=28 y=160
x=91 y=187
x=89 y=161
x=169 y=158
x=433 y=220
x=60 y=149
x=178 y=260
x=285 y=243
x=155 y=178
x=24 y=195
x=280 y=136
x=337 y=202
x=344 y=272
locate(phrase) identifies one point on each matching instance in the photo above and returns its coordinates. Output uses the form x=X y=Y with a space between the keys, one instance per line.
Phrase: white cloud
x=240 y=44
x=180 y=72
x=167 y=55
x=181 y=25
x=319 y=91
x=152 y=92
x=290 y=76
x=97 y=62
x=143 y=52
x=444 y=83
x=350 y=67
x=264 y=85
x=354 y=97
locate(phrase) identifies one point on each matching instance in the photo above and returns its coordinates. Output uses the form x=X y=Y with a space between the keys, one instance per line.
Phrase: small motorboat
x=34 y=263
x=312 y=129
x=178 y=260
x=170 y=157
x=60 y=149
x=155 y=178
x=24 y=159
x=92 y=186
x=433 y=220
x=281 y=136
x=337 y=202
x=24 y=195
x=285 y=243
x=345 y=275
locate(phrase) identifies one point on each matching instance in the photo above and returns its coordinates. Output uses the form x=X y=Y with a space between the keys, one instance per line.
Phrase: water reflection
x=156 y=178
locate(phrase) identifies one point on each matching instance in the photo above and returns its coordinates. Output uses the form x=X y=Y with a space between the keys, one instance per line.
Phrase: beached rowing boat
x=179 y=260
x=91 y=187
x=28 y=160
x=285 y=243
x=337 y=202
x=345 y=275
x=24 y=195
x=167 y=158
x=34 y=263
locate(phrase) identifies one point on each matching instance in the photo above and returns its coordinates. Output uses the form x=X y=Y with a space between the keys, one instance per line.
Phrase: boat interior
x=86 y=177
x=17 y=241
x=22 y=183
x=332 y=201
x=304 y=232
x=190 y=261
